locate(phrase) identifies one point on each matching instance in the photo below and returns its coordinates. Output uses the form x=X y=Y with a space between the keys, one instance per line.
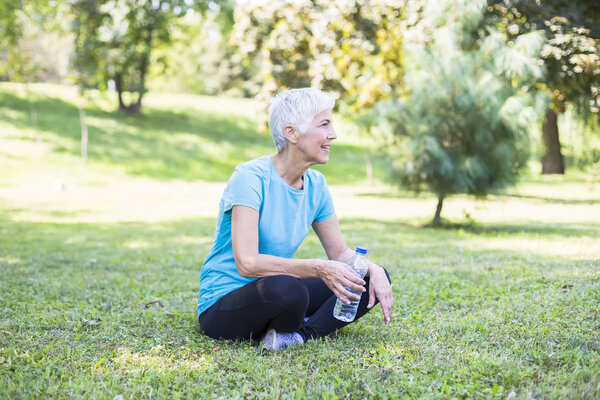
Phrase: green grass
x=502 y=304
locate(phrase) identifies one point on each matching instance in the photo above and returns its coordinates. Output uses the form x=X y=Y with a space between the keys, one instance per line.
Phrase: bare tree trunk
x=119 y=87
x=84 y=133
x=369 y=166
x=437 y=219
x=136 y=108
x=552 y=161
x=32 y=109
x=33 y=114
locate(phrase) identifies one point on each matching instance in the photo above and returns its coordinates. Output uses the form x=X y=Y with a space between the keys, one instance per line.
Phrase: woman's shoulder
x=258 y=166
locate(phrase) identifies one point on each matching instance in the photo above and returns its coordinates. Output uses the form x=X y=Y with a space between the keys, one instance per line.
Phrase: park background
x=121 y=121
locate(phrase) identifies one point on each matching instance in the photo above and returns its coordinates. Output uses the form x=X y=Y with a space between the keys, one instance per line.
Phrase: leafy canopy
x=353 y=49
x=571 y=53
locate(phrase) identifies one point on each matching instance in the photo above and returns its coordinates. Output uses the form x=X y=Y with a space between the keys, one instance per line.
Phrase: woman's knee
x=285 y=290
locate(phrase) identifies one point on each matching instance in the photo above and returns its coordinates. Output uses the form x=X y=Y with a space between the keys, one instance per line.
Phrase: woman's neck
x=290 y=169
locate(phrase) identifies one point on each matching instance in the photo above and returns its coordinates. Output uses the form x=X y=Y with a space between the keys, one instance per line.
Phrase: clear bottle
x=358 y=264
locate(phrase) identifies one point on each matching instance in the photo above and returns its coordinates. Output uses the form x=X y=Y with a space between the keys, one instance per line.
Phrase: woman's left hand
x=380 y=289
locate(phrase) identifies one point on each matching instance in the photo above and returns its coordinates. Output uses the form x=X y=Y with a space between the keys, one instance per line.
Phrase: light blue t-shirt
x=285 y=217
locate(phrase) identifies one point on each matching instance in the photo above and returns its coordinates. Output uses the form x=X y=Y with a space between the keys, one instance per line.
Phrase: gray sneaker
x=274 y=341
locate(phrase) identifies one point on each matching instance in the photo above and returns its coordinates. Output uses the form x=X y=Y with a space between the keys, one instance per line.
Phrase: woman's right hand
x=339 y=278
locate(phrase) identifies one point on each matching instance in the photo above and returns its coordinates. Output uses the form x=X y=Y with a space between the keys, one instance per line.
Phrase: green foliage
x=463 y=127
x=115 y=39
x=571 y=54
x=199 y=59
x=580 y=141
x=23 y=55
x=10 y=29
x=351 y=49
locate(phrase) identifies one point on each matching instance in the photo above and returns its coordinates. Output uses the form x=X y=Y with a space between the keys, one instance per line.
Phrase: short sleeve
x=325 y=209
x=245 y=188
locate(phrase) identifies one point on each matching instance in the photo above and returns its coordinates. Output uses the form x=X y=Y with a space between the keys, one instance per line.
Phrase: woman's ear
x=290 y=133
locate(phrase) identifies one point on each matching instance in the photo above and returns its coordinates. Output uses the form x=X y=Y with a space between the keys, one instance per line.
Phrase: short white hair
x=295 y=107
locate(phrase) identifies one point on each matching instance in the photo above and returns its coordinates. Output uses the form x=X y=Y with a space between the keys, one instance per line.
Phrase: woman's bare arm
x=250 y=263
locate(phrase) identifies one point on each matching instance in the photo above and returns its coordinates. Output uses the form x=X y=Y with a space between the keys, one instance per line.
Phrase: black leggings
x=280 y=302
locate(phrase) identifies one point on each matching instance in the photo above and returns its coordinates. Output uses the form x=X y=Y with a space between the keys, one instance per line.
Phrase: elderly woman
x=250 y=286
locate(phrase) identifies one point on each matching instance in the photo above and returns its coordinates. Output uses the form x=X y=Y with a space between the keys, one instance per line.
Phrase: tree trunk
x=437 y=219
x=143 y=68
x=369 y=167
x=119 y=87
x=84 y=134
x=552 y=161
x=136 y=108
x=133 y=108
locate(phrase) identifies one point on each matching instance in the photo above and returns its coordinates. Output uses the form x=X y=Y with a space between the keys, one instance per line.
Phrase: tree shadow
x=160 y=144
x=568 y=230
x=398 y=194
x=553 y=200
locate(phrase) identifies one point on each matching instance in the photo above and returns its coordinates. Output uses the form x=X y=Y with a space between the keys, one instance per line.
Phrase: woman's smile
x=321 y=133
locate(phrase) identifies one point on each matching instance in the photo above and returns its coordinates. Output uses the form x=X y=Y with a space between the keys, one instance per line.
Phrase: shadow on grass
x=402 y=194
x=162 y=144
x=430 y=232
x=566 y=230
x=553 y=200
x=159 y=144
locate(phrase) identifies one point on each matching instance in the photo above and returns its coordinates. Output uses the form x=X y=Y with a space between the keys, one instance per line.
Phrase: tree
x=10 y=32
x=463 y=127
x=199 y=58
x=26 y=30
x=28 y=44
x=353 y=49
x=115 y=39
x=571 y=57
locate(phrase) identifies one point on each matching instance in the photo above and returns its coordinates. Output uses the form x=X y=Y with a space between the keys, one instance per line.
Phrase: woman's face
x=316 y=142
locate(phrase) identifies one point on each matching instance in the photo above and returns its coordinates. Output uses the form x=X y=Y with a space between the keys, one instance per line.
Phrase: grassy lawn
x=99 y=268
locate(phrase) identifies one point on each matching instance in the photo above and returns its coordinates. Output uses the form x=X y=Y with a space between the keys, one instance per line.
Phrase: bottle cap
x=361 y=250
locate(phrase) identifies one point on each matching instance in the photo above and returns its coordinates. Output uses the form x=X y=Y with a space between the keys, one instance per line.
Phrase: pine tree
x=462 y=128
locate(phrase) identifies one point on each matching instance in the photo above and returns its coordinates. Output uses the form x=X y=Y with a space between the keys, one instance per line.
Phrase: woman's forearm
x=261 y=265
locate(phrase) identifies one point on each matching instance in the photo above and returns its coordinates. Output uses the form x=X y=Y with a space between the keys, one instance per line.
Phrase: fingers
x=342 y=280
x=387 y=305
x=380 y=289
x=347 y=295
x=372 y=297
x=386 y=302
x=353 y=281
x=354 y=286
x=341 y=297
x=387 y=311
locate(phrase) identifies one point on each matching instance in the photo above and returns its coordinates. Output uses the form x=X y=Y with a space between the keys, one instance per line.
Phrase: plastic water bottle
x=358 y=263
